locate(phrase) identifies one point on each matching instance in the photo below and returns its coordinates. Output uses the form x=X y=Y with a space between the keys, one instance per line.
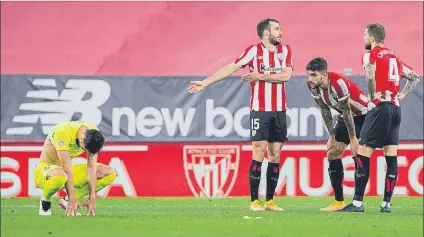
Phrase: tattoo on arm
x=348 y=118
x=413 y=80
x=370 y=80
x=326 y=116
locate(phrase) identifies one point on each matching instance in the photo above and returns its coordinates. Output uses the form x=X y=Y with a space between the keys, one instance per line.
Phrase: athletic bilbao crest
x=211 y=171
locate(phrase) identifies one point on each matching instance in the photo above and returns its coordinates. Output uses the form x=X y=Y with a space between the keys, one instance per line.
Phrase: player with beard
x=336 y=91
x=270 y=65
x=381 y=126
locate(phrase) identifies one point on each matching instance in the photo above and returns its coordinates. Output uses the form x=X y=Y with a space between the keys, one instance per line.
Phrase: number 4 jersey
x=388 y=71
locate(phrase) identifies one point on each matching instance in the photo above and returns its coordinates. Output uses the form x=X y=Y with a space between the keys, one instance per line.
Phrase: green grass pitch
x=187 y=217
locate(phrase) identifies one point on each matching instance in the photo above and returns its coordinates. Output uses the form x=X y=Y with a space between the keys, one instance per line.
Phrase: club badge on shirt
x=61 y=143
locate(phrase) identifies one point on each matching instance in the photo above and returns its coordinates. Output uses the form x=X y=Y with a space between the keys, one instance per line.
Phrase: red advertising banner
x=214 y=170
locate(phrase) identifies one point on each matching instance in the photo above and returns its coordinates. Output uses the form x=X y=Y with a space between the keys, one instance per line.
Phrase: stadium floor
x=212 y=217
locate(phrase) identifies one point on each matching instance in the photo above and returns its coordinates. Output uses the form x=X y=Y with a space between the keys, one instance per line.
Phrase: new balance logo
x=57 y=108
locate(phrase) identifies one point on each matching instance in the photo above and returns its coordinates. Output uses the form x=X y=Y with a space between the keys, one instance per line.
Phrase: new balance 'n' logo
x=60 y=108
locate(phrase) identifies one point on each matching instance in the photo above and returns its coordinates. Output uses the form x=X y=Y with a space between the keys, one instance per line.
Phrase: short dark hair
x=317 y=64
x=94 y=140
x=377 y=31
x=263 y=25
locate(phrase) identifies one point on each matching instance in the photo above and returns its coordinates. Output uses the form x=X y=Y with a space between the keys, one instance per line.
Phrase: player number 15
x=255 y=123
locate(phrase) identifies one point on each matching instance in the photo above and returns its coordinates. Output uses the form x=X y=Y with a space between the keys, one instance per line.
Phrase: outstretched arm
x=246 y=58
x=222 y=73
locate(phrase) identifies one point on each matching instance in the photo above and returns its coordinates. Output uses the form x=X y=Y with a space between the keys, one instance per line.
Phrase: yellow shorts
x=79 y=173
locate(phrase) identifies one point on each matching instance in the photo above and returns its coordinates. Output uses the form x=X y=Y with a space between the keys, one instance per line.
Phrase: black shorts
x=381 y=126
x=340 y=130
x=268 y=126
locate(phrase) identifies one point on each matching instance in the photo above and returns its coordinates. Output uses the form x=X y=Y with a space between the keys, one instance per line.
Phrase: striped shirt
x=266 y=96
x=388 y=71
x=339 y=88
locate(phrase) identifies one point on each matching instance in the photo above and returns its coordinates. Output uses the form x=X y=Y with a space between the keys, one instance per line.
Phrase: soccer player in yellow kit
x=55 y=171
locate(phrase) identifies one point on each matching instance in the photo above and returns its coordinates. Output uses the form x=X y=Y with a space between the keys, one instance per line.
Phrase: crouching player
x=55 y=171
x=333 y=90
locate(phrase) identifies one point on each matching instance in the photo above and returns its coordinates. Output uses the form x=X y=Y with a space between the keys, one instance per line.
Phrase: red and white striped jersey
x=339 y=88
x=388 y=71
x=266 y=96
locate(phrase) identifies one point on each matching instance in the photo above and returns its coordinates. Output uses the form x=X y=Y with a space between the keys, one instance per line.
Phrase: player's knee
x=365 y=150
x=104 y=170
x=333 y=157
x=274 y=156
x=111 y=172
x=390 y=150
x=259 y=150
x=334 y=154
x=111 y=175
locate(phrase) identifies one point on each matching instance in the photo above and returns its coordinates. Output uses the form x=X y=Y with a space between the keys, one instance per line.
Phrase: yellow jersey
x=64 y=135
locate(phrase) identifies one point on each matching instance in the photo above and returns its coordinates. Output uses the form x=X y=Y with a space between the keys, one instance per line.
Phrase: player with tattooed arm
x=382 y=123
x=336 y=91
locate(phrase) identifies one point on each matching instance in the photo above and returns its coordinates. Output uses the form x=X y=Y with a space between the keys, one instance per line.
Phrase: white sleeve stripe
x=249 y=56
x=285 y=54
x=343 y=86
